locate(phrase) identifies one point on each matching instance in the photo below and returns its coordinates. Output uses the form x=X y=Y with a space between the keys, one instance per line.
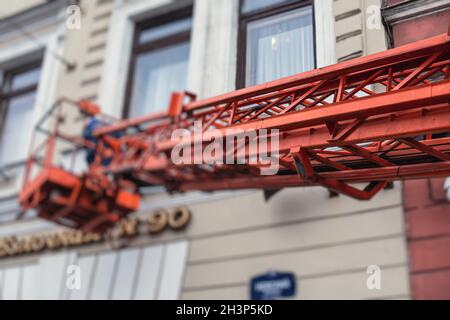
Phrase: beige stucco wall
x=327 y=243
x=86 y=47
x=353 y=37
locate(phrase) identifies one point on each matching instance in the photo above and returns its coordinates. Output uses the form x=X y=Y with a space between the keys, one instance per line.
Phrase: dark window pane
x=158 y=74
x=252 y=5
x=25 y=79
x=17 y=128
x=165 y=30
x=279 y=46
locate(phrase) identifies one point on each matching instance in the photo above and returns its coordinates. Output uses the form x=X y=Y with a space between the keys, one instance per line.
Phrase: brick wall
x=427 y=211
x=426 y=26
x=427 y=214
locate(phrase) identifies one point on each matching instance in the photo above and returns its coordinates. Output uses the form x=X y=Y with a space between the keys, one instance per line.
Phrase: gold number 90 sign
x=176 y=219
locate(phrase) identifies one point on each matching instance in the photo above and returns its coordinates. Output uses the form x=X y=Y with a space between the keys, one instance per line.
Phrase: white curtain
x=280 y=46
x=158 y=74
x=17 y=129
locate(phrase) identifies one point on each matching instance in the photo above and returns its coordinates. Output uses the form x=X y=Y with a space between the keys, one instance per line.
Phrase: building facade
x=128 y=55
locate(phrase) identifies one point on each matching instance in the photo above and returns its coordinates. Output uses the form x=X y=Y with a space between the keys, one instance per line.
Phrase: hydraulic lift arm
x=370 y=120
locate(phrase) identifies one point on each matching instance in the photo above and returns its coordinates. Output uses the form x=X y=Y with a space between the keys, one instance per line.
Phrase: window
x=276 y=40
x=159 y=63
x=17 y=99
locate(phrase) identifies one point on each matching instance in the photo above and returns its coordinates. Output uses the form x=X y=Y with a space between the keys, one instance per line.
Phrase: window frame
x=6 y=94
x=265 y=12
x=138 y=49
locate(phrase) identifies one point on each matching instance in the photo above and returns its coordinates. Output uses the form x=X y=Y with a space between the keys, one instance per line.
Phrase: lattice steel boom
x=370 y=120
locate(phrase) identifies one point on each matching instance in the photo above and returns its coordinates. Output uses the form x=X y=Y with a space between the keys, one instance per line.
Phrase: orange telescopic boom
x=371 y=120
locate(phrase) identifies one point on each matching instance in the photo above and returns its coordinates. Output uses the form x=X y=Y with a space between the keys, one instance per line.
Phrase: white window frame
x=46 y=91
x=118 y=51
x=325 y=36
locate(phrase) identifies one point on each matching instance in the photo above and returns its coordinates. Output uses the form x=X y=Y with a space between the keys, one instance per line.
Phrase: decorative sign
x=273 y=285
x=155 y=223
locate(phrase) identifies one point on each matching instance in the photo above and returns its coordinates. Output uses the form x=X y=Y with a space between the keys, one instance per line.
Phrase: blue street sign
x=273 y=285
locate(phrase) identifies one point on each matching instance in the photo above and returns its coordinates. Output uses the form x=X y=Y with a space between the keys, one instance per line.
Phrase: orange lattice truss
x=372 y=120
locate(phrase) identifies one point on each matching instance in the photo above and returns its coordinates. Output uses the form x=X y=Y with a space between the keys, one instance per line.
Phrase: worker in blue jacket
x=88 y=133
